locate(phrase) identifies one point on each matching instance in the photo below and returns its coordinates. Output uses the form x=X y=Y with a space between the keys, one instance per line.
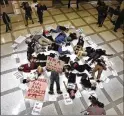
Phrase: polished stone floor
x=12 y=97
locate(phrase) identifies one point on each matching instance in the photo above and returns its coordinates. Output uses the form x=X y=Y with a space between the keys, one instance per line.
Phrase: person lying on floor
x=31 y=65
x=64 y=58
x=85 y=81
x=71 y=37
x=80 y=68
x=99 y=67
x=97 y=54
x=34 y=76
x=53 y=46
x=71 y=87
x=59 y=29
x=47 y=35
x=61 y=52
x=61 y=38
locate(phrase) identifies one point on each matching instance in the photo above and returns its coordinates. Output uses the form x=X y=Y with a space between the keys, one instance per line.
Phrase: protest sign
x=54 y=64
x=37 y=108
x=67 y=99
x=37 y=90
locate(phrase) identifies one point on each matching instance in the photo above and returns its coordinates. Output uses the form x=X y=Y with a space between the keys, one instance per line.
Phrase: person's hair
x=19 y=69
x=24 y=81
x=72 y=97
x=95 y=101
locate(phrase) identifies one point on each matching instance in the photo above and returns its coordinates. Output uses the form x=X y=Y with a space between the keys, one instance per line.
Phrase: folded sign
x=37 y=90
x=54 y=64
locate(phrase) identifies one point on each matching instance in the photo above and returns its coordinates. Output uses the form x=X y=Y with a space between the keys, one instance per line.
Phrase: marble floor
x=12 y=97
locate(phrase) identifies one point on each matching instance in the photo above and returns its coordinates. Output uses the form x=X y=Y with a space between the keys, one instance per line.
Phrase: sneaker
x=59 y=92
x=51 y=92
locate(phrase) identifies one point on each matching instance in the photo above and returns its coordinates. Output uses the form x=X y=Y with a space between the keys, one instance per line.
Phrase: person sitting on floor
x=34 y=76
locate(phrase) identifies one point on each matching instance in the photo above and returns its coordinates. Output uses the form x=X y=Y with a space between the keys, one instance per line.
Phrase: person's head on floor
x=93 y=100
x=25 y=81
x=20 y=68
x=72 y=94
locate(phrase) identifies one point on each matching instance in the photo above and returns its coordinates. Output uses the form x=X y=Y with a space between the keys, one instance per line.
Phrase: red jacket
x=27 y=68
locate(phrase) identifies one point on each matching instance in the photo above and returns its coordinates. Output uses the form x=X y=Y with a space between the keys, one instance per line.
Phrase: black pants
x=101 y=20
x=40 y=16
x=118 y=23
x=7 y=27
x=28 y=17
x=52 y=80
x=82 y=68
x=94 y=58
x=69 y=3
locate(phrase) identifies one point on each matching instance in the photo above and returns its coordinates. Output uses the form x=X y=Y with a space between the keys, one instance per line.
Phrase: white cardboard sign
x=78 y=94
x=67 y=99
x=37 y=108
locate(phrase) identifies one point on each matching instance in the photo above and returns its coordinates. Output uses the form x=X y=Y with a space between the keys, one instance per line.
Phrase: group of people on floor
x=37 y=60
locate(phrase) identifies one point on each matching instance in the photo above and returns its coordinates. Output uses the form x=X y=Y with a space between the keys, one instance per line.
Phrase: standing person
x=119 y=21
x=28 y=13
x=6 y=21
x=77 y=2
x=40 y=12
x=115 y=15
x=54 y=78
x=96 y=107
x=102 y=13
x=100 y=66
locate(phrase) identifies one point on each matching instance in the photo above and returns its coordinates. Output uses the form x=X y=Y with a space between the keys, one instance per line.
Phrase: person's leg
x=69 y=2
x=45 y=40
x=58 y=86
x=7 y=28
x=41 y=18
x=94 y=70
x=51 y=86
x=26 y=19
x=72 y=79
x=65 y=52
x=77 y=2
x=99 y=73
x=31 y=19
x=87 y=67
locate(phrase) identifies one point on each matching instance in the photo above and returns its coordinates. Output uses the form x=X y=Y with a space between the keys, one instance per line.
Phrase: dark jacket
x=6 y=19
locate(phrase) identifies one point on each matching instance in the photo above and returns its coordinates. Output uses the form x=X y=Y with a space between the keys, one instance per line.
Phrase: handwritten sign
x=37 y=108
x=54 y=64
x=37 y=90
x=67 y=99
